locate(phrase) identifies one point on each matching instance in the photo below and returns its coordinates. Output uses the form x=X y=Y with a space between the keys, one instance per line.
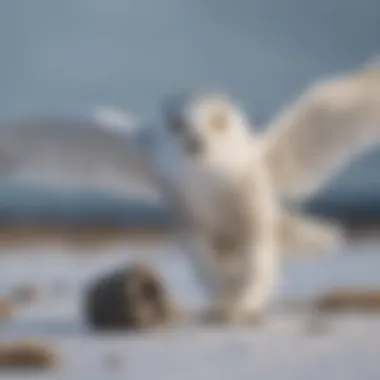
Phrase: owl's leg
x=238 y=296
x=261 y=256
x=209 y=269
x=262 y=265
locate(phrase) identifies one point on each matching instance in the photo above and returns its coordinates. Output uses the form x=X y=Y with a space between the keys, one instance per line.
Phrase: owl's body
x=226 y=217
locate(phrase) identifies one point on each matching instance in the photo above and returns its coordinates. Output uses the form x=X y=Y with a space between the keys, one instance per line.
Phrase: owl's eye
x=176 y=124
x=217 y=121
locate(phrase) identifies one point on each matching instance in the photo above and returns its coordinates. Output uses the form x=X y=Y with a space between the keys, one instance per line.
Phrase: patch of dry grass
x=98 y=236
x=83 y=237
x=341 y=300
x=6 y=310
x=26 y=355
x=24 y=293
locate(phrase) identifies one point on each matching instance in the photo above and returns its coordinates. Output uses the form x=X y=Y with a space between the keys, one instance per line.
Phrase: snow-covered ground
x=283 y=348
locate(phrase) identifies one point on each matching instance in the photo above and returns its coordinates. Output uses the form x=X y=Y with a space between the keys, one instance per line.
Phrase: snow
x=285 y=347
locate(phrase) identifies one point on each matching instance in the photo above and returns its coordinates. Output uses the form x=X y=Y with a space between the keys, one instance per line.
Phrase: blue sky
x=66 y=56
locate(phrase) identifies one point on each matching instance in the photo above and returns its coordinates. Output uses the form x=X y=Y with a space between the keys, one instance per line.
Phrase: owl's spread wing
x=334 y=121
x=69 y=153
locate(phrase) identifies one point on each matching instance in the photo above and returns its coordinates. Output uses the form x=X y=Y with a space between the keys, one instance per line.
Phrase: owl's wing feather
x=331 y=123
x=67 y=153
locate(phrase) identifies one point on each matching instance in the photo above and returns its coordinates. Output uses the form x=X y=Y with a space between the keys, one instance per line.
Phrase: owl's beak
x=194 y=146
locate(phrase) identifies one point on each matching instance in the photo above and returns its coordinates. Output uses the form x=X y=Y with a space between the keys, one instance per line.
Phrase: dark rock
x=132 y=298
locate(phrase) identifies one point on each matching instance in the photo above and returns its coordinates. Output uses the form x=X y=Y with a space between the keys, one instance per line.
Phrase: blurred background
x=63 y=58
x=59 y=60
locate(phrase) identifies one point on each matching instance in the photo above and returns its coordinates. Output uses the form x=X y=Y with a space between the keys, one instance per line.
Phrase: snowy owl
x=224 y=183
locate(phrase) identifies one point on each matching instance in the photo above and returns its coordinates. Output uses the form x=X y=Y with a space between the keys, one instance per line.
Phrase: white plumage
x=223 y=182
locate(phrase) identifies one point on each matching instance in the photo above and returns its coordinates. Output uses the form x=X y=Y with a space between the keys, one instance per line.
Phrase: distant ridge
x=39 y=206
x=31 y=205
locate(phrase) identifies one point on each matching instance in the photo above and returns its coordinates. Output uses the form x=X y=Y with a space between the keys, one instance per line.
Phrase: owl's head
x=207 y=126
